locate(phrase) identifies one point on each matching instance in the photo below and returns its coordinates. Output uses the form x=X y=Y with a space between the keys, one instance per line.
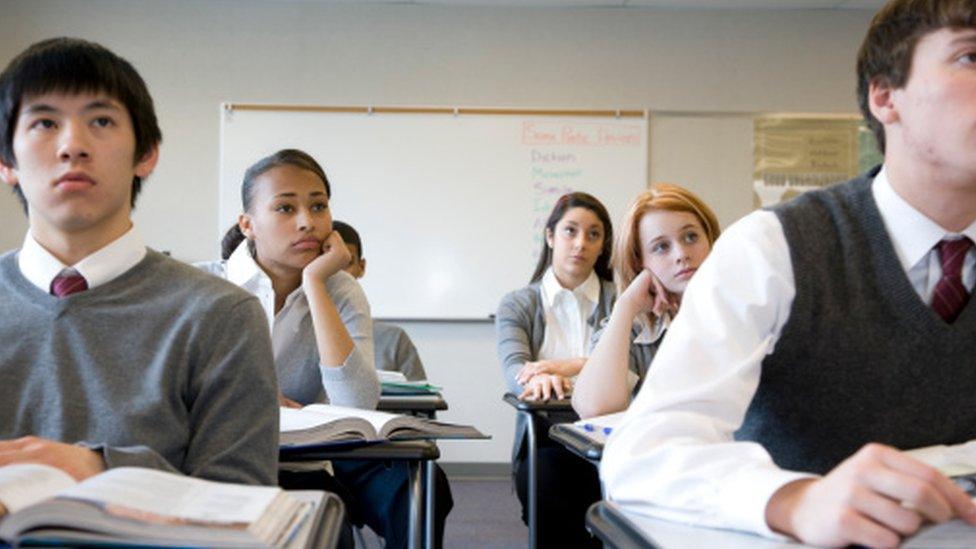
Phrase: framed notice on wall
x=796 y=153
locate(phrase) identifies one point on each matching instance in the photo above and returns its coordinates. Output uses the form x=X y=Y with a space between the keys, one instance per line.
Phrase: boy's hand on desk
x=77 y=461
x=545 y=386
x=873 y=498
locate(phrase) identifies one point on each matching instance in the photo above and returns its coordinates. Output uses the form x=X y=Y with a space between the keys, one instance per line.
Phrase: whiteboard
x=450 y=206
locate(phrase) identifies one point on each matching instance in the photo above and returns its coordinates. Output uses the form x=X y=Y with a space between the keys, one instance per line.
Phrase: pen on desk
x=966 y=482
x=589 y=428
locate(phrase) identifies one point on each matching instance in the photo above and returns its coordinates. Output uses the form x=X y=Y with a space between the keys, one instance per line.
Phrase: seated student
x=285 y=251
x=393 y=349
x=665 y=236
x=543 y=334
x=113 y=354
x=826 y=334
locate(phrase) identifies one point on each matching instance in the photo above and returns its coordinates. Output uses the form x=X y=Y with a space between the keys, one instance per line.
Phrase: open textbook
x=323 y=424
x=135 y=506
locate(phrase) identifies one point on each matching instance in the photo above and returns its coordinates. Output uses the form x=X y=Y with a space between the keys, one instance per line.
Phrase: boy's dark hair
x=285 y=157
x=889 y=45
x=565 y=203
x=73 y=66
x=349 y=236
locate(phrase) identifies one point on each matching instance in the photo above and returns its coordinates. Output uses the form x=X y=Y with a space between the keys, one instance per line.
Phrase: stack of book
x=396 y=384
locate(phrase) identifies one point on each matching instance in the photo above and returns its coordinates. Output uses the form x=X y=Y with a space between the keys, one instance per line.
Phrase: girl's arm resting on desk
x=331 y=337
x=603 y=386
x=343 y=329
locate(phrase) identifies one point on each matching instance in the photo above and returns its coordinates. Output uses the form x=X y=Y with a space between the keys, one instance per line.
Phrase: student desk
x=616 y=527
x=419 y=453
x=415 y=405
x=584 y=447
x=323 y=530
x=558 y=410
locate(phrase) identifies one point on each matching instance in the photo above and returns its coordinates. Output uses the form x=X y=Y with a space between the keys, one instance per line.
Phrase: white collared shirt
x=242 y=270
x=567 y=333
x=673 y=455
x=40 y=267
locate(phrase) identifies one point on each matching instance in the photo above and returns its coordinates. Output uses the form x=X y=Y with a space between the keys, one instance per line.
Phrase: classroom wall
x=196 y=54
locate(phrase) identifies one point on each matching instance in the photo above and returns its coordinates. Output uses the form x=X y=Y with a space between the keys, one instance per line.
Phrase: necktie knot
x=66 y=284
x=952 y=253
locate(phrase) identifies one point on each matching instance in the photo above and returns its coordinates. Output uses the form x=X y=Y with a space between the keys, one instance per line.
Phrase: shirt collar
x=912 y=234
x=242 y=270
x=651 y=332
x=589 y=289
x=40 y=267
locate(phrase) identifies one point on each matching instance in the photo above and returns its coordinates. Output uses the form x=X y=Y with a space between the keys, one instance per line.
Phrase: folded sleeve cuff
x=354 y=383
x=130 y=456
x=743 y=499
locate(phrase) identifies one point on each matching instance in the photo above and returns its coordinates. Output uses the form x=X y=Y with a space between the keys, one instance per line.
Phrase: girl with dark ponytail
x=284 y=250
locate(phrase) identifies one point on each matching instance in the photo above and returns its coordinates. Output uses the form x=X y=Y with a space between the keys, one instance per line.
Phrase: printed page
x=376 y=419
x=25 y=484
x=387 y=376
x=167 y=497
x=951 y=460
x=300 y=419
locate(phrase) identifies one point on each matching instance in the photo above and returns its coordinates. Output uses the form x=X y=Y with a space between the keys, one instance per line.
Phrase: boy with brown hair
x=782 y=396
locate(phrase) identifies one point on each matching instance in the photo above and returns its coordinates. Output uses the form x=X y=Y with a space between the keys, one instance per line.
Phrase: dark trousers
x=567 y=485
x=376 y=493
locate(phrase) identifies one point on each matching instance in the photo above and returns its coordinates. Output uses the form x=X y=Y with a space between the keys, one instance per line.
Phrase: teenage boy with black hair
x=113 y=354
x=782 y=395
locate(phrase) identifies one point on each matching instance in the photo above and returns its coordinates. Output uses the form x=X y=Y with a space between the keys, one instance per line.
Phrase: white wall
x=196 y=54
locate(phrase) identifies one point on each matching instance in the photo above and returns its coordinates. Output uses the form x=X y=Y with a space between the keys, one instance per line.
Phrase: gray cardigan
x=521 y=326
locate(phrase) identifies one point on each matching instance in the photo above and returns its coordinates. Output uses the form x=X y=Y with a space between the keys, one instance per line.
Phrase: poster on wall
x=793 y=154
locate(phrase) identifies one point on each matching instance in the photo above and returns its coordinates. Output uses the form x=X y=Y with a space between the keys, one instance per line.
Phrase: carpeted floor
x=486 y=514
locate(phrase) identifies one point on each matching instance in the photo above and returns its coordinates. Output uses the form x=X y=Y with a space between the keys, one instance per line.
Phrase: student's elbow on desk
x=587 y=405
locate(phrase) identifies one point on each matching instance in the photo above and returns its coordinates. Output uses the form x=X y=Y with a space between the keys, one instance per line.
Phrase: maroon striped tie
x=65 y=285
x=950 y=295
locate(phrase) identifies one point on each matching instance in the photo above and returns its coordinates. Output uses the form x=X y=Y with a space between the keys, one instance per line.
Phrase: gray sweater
x=395 y=352
x=521 y=327
x=149 y=368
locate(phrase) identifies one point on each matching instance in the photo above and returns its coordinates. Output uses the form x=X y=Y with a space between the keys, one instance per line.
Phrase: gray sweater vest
x=861 y=358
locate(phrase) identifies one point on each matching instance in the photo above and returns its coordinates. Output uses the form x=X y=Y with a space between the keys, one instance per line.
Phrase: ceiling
x=661 y=4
